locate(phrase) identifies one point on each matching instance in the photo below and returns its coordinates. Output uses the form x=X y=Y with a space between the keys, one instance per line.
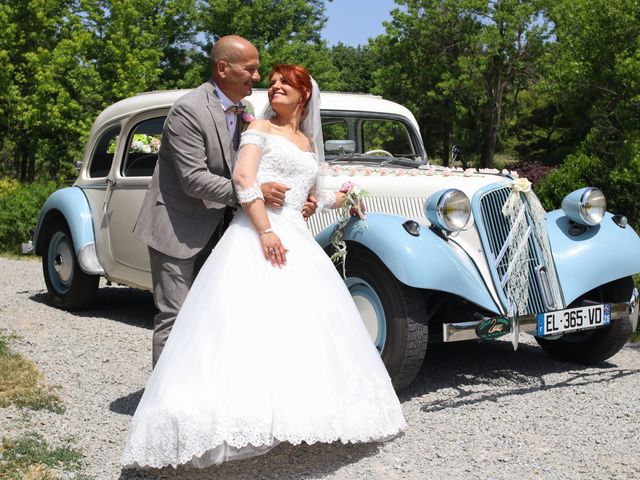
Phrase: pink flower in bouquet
x=346 y=186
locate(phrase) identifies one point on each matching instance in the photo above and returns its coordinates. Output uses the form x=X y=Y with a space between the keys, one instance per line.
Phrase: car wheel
x=392 y=313
x=68 y=286
x=594 y=346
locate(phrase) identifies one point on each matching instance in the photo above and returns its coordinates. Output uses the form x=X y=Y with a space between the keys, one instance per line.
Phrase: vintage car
x=444 y=254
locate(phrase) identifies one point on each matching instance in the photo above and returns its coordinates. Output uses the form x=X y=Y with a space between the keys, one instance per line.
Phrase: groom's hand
x=274 y=193
x=309 y=207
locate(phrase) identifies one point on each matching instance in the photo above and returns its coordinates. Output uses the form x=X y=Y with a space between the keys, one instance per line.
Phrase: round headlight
x=448 y=209
x=586 y=206
x=592 y=206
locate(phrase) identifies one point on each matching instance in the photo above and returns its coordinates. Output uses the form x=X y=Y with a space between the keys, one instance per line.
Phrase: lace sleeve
x=326 y=199
x=249 y=194
x=252 y=137
x=249 y=153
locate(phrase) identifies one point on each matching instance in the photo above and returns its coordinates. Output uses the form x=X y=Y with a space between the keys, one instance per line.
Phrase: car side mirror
x=339 y=146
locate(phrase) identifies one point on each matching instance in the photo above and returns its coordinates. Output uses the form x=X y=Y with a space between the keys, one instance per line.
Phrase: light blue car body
x=72 y=204
x=601 y=254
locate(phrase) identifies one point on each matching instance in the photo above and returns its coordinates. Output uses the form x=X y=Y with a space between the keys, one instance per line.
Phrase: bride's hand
x=273 y=249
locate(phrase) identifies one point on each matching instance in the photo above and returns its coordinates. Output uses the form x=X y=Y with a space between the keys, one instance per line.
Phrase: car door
x=127 y=186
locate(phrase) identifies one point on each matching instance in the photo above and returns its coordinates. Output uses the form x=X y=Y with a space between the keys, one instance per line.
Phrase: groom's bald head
x=229 y=48
x=234 y=66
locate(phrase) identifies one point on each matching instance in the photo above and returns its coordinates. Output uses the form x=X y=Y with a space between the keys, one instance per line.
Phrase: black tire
x=68 y=287
x=595 y=346
x=405 y=340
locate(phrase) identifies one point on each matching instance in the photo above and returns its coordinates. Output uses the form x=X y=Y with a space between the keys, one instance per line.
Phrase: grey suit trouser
x=172 y=278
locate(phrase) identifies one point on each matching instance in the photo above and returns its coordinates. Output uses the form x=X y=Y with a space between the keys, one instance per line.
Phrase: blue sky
x=353 y=22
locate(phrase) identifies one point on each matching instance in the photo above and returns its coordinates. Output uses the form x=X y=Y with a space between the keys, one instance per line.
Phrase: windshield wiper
x=400 y=161
x=342 y=158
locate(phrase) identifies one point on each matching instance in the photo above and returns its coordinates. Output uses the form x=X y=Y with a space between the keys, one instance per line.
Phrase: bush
x=19 y=208
x=620 y=181
x=532 y=170
x=578 y=170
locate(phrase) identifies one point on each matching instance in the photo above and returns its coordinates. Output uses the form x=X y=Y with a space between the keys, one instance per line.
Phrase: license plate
x=574 y=319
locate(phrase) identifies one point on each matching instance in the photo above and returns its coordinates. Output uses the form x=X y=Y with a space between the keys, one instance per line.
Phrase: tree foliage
x=283 y=31
x=65 y=60
x=592 y=81
x=551 y=81
x=457 y=63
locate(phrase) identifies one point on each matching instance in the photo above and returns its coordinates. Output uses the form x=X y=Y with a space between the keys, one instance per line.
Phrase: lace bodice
x=284 y=162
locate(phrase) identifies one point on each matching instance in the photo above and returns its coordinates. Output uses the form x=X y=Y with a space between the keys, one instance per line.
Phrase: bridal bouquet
x=353 y=206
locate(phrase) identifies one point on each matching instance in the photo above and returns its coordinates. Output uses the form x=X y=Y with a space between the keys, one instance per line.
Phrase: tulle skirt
x=260 y=355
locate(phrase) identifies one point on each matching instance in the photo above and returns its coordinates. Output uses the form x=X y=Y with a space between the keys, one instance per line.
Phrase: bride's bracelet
x=264 y=232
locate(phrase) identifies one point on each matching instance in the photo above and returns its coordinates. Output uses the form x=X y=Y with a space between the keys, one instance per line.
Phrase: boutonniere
x=248 y=115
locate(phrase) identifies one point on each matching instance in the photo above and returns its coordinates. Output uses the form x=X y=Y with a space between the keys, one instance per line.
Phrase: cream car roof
x=330 y=101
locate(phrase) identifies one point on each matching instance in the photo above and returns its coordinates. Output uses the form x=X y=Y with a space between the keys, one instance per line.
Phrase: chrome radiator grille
x=496 y=228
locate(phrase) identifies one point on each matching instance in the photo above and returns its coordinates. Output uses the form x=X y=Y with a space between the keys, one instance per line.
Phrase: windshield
x=369 y=139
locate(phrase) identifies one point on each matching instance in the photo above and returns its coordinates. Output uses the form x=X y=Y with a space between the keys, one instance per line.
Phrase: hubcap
x=370 y=308
x=61 y=262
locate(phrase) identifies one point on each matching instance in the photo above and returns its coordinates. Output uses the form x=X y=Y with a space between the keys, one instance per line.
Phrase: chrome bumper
x=456 y=332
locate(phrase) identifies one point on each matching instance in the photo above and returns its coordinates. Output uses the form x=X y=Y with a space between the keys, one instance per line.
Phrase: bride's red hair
x=296 y=76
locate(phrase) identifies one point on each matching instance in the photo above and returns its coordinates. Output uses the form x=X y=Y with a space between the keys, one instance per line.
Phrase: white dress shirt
x=230 y=117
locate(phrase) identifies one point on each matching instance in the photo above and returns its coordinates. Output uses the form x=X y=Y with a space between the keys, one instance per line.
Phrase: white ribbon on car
x=516 y=248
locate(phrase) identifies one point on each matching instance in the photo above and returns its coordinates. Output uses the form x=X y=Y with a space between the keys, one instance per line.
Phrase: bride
x=268 y=346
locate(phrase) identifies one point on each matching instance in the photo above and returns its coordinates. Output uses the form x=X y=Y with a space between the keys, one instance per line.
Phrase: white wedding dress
x=259 y=354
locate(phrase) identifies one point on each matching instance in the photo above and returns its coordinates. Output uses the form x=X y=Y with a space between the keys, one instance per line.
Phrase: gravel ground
x=475 y=411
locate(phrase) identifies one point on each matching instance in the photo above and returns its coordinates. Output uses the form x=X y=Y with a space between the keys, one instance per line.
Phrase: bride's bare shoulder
x=263 y=126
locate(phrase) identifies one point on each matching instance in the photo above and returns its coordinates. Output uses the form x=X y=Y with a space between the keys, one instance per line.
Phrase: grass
x=15 y=256
x=20 y=382
x=30 y=457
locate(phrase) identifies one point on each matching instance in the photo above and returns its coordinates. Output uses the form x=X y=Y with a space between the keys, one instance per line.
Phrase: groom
x=191 y=198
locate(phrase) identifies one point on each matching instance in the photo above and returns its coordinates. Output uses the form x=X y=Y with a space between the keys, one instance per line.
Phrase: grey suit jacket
x=191 y=185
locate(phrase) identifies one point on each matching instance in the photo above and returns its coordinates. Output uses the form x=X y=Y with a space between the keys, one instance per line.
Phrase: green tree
x=355 y=66
x=592 y=79
x=454 y=62
x=418 y=66
x=50 y=85
x=282 y=30
x=137 y=45
x=511 y=40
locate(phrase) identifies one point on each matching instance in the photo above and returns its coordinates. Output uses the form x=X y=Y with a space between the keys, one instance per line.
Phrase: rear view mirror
x=340 y=146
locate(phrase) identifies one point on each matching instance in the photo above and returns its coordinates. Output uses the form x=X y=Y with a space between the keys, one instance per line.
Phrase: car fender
x=600 y=255
x=426 y=261
x=71 y=204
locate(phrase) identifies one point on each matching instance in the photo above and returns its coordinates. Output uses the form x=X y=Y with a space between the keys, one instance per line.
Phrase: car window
x=334 y=129
x=102 y=156
x=142 y=148
x=389 y=135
